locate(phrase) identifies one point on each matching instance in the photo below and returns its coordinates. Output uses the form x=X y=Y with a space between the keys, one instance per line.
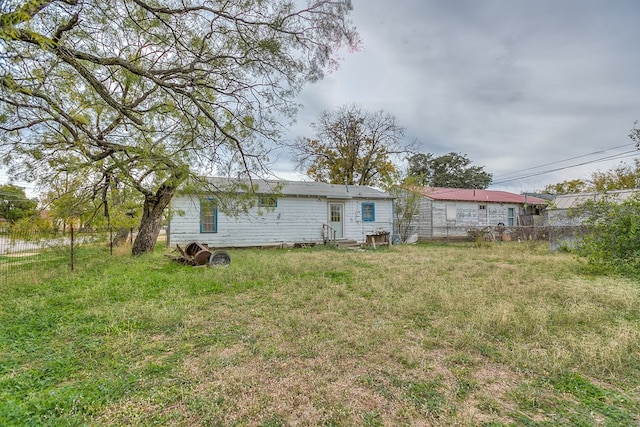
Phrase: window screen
x=208 y=216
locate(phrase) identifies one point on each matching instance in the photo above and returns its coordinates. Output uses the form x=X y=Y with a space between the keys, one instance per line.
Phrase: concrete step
x=350 y=244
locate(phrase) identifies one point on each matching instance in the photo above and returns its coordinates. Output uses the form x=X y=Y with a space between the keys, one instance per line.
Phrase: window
x=336 y=213
x=451 y=212
x=208 y=216
x=267 y=201
x=511 y=217
x=368 y=212
x=482 y=207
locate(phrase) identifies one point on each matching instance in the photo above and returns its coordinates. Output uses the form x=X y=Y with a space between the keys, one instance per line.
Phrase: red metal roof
x=471 y=195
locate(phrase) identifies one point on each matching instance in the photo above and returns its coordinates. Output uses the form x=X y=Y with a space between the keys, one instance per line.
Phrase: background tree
x=71 y=198
x=624 y=176
x=452 y=170
x=148 y=94
x=14 y=204
x=352 y=146
x=567 y=187
x=635 y=134
x=621 y=177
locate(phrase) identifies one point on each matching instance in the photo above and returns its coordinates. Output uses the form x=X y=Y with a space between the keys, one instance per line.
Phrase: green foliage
x=635 y=134
x=117 y=94
x=36 y=226
x=566 y=187
x=620 y=177
x=352 y=146
x=14 y=204
x=613 y=239
x=74 y=198
x=452 y=170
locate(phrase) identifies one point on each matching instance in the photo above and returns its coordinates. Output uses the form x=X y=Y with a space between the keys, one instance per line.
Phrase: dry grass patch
x=412 y=335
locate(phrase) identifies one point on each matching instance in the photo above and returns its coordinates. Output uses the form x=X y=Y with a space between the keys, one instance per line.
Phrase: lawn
x=412 y=335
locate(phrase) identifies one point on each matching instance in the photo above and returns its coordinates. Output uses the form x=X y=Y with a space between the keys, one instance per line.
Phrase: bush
x=612 y=240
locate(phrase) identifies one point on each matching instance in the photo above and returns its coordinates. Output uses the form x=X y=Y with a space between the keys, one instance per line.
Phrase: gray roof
x=307 y=189
x=568 y=201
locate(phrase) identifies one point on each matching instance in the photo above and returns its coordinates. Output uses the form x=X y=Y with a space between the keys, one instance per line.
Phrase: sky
x=519 y=86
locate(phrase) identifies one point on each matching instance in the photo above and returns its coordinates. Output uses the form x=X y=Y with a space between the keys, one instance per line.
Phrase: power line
x=613 y=157
x=623 y=155
x=562 y=161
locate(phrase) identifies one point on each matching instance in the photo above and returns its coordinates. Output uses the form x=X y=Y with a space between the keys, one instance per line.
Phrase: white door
x=336 y=219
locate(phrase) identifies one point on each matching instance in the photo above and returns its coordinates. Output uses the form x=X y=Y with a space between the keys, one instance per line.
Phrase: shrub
x=612 y=240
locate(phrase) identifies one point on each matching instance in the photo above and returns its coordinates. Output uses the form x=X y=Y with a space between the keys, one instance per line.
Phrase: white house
x=294 y=213
x=451 y=212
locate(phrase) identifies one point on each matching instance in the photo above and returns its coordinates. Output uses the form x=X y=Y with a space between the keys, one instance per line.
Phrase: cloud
x=512 y=84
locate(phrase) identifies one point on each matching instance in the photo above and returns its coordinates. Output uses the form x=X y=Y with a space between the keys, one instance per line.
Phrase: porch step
x=349 y=244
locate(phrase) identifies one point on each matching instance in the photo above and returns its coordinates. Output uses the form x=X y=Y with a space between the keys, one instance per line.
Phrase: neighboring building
x=451 y=212
x=296 y=213
x=558 y=213
x=564 y=219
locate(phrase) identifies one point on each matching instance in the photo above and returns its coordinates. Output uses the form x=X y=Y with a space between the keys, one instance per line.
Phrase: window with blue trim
x=208 y=216
x=368 y=212
x=267 y=201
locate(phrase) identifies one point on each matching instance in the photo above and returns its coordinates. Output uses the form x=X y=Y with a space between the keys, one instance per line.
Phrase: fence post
x=72 y=252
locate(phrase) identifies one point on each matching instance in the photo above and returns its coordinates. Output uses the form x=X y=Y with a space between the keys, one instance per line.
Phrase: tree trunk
x=154 y=205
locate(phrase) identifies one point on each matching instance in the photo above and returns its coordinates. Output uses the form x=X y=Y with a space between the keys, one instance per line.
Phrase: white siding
x=356 y=229
x=294 y=220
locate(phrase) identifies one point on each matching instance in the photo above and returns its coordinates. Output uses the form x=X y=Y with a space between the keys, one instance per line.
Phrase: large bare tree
x=150 y=93
x=352 y=146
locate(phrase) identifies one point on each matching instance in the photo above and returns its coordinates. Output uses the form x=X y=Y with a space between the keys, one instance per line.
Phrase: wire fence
x=35 y=254
x=558 y=236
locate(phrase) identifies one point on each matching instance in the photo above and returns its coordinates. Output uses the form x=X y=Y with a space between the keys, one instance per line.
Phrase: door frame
x=339 y=232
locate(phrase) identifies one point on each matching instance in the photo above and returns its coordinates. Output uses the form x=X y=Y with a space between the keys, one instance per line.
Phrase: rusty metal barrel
x=199 y=252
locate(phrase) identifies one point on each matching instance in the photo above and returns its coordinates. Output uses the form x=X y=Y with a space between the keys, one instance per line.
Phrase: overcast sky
x=514 y=84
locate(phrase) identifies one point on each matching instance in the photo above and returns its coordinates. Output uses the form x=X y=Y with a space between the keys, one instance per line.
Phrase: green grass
x=440 y=334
